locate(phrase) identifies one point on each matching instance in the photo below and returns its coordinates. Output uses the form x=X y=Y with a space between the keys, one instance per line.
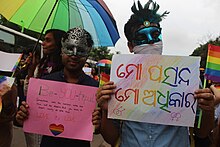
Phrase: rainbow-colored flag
x=212 y=71
x=103 y=79
x=9 y=61
x=16 y=64
x=217 y=87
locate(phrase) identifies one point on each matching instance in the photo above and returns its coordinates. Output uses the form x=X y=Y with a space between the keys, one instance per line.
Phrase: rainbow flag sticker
x=56 y=129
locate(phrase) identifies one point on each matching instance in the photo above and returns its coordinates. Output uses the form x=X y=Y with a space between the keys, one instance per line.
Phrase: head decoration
x=77 y=42
x=143 y=16
x=146 y=15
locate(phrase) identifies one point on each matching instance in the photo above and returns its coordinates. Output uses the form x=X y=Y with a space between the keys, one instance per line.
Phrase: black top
x=49 y=141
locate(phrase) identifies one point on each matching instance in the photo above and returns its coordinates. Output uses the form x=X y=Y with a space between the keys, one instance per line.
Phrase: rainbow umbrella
x=104 y=63
x=104 y=66
x=40 y=15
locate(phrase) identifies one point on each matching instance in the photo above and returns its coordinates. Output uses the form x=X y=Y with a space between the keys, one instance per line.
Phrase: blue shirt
x=138 y=134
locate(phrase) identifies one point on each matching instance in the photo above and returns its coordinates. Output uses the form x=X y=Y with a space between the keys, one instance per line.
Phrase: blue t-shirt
x=138 y=134
x=49 y=141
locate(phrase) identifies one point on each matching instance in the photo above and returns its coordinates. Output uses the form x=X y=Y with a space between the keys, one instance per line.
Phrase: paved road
x=19 y=141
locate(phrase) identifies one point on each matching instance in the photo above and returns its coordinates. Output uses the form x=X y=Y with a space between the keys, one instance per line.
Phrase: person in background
x=215 y=134
x=94 y=73
x=87 y=65
x=51 y=60
x=7 y=114
x=143 y=33
x=76 y=45
x=49 y=63
x=21 y=73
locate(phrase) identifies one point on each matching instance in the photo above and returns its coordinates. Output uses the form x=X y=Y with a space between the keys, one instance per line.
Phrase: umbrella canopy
x=92 y=15
x=104 y=63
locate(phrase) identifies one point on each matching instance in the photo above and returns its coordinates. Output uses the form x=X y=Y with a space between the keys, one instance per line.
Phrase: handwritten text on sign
x=154 y=88
x=60 y=109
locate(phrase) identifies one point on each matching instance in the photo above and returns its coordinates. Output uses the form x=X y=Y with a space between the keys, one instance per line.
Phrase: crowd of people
x=65 y=55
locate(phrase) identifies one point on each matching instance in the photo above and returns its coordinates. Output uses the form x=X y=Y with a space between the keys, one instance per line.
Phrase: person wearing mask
x=76 y=44
x=143 y=33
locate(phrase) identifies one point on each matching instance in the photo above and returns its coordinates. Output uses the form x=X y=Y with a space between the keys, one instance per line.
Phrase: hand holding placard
x=154 y=88
x=57 y=108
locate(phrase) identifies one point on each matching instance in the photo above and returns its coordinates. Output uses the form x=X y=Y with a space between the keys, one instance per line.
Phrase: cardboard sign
x=154 y=89
x=60 y=109
x=9 y=61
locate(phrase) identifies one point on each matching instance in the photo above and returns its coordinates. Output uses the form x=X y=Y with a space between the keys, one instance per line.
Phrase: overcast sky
x=190 y=23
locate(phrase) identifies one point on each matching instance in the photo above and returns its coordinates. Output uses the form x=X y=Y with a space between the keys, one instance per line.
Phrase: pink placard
x=60 y=109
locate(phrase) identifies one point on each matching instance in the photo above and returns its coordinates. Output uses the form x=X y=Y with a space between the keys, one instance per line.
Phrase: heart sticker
x=56 y=129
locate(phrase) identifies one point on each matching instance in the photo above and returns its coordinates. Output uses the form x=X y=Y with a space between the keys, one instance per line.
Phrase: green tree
x=100 y=53
x=202 y=51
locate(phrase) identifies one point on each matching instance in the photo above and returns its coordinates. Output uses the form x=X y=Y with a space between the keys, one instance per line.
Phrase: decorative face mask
x=147 y=35
x=76 y=43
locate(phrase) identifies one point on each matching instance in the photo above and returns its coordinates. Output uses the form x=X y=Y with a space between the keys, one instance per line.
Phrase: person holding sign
x=143 y=33
x=76 y=44
x=49 y=63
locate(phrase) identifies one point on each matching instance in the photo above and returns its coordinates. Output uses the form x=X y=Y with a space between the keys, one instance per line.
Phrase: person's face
x=86 y=65
x=49 y=45
x=73 y=63
x=142 y=34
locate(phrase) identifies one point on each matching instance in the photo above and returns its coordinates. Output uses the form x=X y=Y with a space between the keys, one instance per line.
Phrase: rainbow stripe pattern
x=104 y=78
x=16 y=64
x=212 y=71
x=217 y=87
x=56 y=129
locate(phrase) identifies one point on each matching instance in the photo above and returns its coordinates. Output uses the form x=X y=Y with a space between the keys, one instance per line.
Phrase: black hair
x=57 y=60
x=89 y=65
x=89 y=39
x=57 y=34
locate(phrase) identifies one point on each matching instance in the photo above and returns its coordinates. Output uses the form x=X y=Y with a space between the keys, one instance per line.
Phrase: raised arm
x=205 y=100
x=9 y=100
x=109 y=130
x=22 y=113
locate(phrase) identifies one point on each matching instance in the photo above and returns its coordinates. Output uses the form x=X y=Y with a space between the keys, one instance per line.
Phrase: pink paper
x=60 y=109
